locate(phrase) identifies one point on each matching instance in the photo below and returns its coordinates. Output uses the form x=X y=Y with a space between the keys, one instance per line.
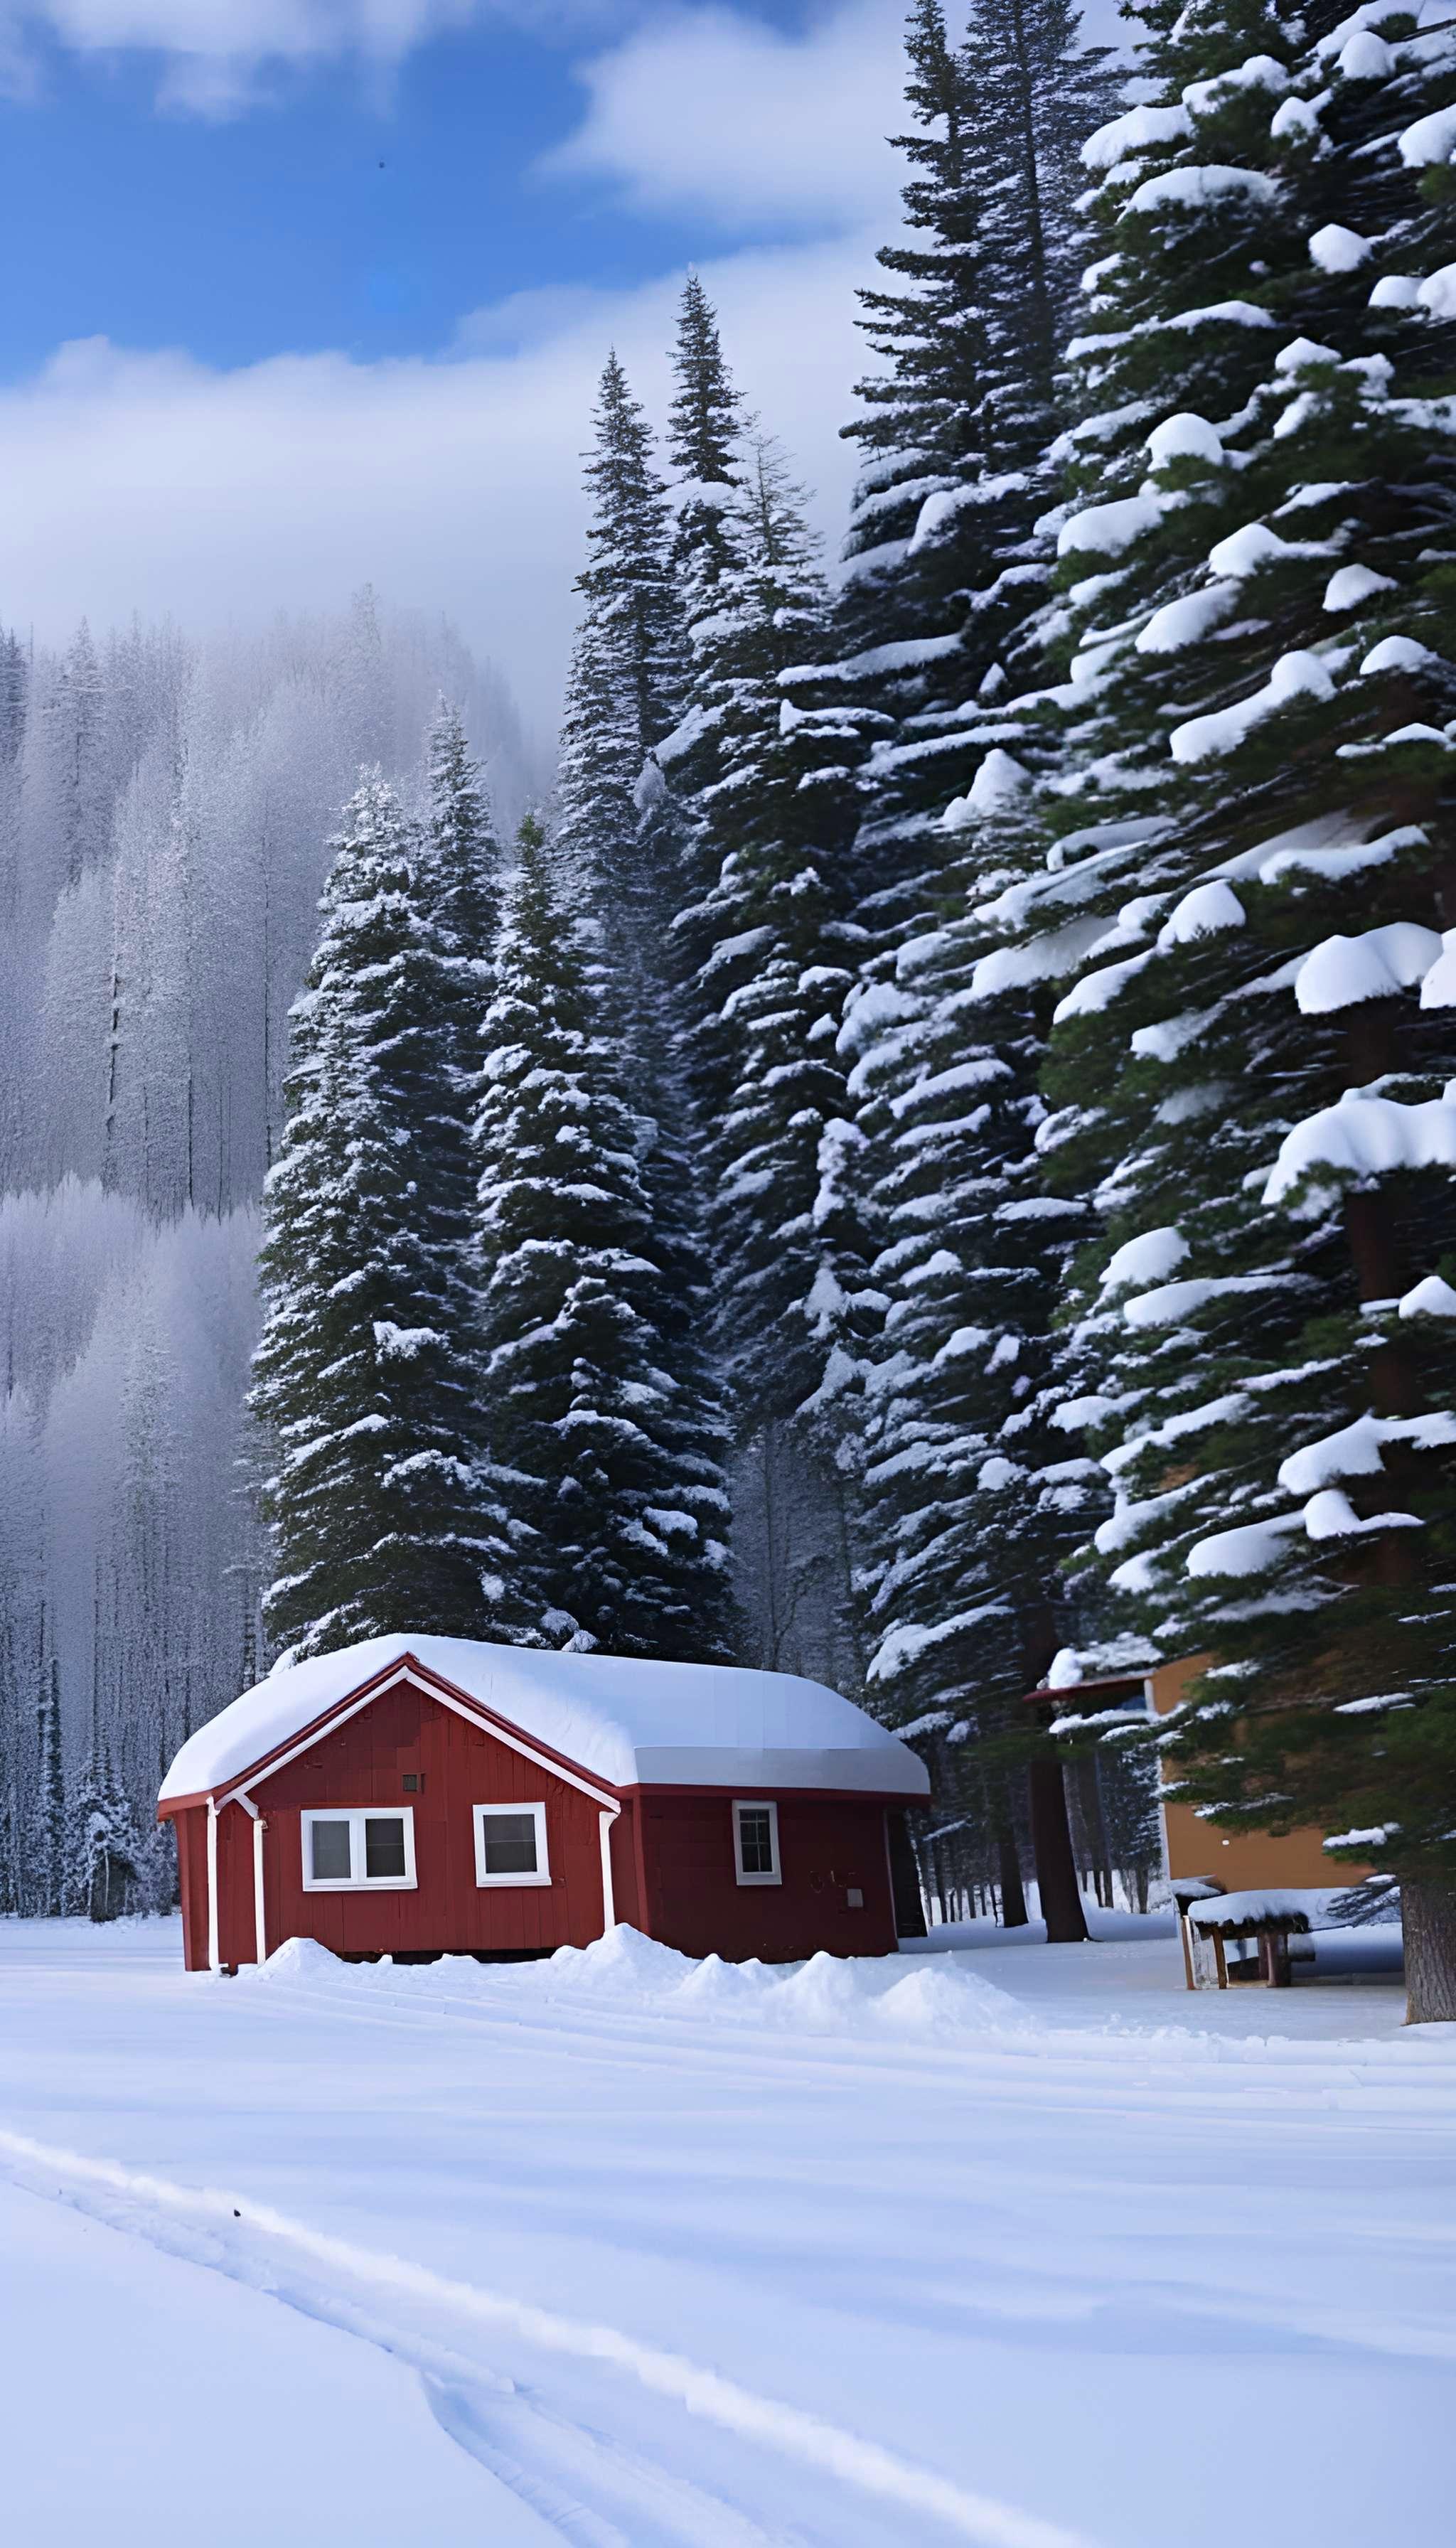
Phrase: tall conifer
x=625 y=687
x=765 y=954
x=365 y=1375
x=45 y=1840
x=968 y=1496
x=602 y=1449
x=623 y=837
x=1250 y=886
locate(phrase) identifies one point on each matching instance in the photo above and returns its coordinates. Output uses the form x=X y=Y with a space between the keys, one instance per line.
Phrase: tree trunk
x=904 y=1877
x=1008 y=1867
x=1428 y=1920
x=1051 y=1839
x=1094 y=1823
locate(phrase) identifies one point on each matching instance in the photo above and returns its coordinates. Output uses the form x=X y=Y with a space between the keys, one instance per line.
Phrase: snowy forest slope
x=164 y=814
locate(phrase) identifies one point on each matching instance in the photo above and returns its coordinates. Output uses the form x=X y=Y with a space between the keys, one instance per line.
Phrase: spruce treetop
x=629 y=602
x=705 y=417
x=460 y=853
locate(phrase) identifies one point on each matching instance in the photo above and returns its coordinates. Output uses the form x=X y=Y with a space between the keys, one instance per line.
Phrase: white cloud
x=151 y=482
x=721 y=113
x=214 y=52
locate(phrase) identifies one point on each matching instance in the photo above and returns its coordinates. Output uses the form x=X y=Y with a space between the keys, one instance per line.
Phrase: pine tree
x=706 y=431
x=45 y=1846
x=706 y=424
x=624 y=836
x=621 y=833
x=1252 y=878
x=624 y=688
x=104 y=1848
x=766 y=970
x=458 y=884
x=602 y=1453
x=968 y=1495
x=365 y=1376
x=13 y=693
x=74 y=734
x=460 y=866
x=1036 y=91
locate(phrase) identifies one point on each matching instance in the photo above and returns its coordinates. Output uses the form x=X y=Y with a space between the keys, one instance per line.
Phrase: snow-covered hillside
x=1025 y=2249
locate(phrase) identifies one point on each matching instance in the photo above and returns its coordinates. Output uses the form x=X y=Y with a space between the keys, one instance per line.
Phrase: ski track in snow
x=576 y=2477
x=730 y=2170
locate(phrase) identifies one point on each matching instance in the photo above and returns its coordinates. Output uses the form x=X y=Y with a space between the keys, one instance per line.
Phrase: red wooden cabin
x=425 y=1795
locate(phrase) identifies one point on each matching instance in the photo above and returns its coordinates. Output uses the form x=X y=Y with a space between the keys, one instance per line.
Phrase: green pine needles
x=365 y=1376
x=617 y=1512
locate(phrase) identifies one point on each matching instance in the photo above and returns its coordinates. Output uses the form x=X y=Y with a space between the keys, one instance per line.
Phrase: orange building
x=1241 y=1862
x=1195 y=1850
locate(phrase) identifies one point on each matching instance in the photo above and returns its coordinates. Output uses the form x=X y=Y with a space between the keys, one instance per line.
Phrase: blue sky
x=245 y=367
x=266 y=221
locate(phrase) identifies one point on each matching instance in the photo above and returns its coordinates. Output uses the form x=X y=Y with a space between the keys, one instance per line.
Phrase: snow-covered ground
x=1022 y=2247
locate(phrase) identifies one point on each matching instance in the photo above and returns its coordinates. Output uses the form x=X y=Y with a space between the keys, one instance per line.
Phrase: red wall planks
x=828 y=1847
x=404 y=1732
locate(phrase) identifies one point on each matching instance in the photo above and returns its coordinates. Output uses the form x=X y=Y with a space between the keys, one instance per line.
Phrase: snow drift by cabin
x=420 y=1796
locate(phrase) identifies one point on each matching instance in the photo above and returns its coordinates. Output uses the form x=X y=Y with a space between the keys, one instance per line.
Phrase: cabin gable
x=409 y=1752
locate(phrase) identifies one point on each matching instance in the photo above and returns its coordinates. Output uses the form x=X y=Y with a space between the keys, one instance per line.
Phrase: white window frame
x=756 y=1805
x=356 y=1817
x=480 y=1815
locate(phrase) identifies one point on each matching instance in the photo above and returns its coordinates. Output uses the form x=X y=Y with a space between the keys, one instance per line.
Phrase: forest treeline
x=931 y=1163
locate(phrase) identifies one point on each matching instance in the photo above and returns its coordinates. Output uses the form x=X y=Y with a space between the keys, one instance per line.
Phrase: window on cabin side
x=357 y=1851
x=756 y=1841
x=330 y=1853
x=384 y=1845
x=510 y=1845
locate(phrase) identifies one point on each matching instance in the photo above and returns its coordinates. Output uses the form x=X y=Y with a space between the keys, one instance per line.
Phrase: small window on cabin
x=357 y=1851
x=330 y=1853
x=756 y=1841
x=510 y=1845
x=383 y=1846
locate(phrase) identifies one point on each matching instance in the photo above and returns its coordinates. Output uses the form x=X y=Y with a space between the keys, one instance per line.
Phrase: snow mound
x=1143 y=126
x=830 y=1996
x=297 y=1960
x=825 y=1997
x=1294 y=675
x=935 y=2001
x=624 y=1959
x=1108 y=530
x=860 y=1997
x=715 y=1984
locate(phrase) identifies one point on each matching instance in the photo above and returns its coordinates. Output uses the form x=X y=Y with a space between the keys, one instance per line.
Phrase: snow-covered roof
x=1294 y=1906
x=630 y=1723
